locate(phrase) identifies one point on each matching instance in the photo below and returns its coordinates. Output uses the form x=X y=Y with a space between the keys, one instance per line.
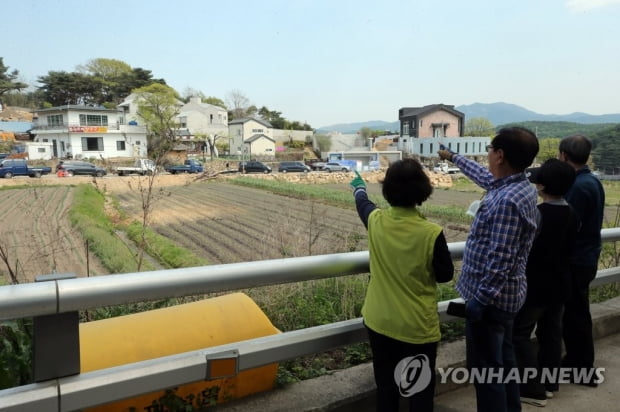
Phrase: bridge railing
x=112 y=384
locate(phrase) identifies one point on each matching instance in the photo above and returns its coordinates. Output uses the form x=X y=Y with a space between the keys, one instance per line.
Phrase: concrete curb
x=353 y=389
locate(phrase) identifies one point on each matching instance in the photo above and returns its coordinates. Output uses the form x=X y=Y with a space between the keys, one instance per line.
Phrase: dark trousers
x=577 y=321
x=489 y=348
x=546 y=352
x=386 y=355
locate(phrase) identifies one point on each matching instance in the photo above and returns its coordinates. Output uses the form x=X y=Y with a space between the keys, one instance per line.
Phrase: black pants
x=577 y=321
x=387 y=353
x=546 y=352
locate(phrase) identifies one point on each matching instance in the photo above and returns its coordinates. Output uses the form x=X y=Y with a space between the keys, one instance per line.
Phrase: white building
x=84 y=132
x=199 y=118
x=251 y=138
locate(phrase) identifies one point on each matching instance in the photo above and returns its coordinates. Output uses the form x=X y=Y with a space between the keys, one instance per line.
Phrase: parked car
x=79 y=168
x=335 y=167
x=20 y=167
x=188 y=166
x=286 y=167
x=316 y=164
x=253 y=166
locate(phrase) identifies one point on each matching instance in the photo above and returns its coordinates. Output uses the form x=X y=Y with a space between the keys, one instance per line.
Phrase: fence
x=130 y=380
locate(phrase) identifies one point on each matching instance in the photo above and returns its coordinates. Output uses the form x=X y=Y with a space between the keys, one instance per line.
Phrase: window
x=93 y=120
x=41 y=149
x=183 y=122
x=421 y=149
x=54 y=120
x=405 y=128
x=92 y=144
x=257 y=130
x=120 y=145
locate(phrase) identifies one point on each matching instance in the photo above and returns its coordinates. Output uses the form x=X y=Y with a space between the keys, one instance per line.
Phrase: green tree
x=158 y=106
x=548 y=149
x=365 y=133
x=606 y=152
x=215 y=102
x=8 y=80
x=479 y=126
x=324 y=142
x=60 y=88
x=273 y=117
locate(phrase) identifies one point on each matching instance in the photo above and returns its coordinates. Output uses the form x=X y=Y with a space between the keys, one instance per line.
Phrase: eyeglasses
x=489 y=147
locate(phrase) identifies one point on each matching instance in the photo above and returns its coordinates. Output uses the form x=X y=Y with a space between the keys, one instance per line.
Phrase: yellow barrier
x=183 y=328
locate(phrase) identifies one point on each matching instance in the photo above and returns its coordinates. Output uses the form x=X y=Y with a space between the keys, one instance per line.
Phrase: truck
x=19 y=167
x=189 y=166
x=141 y=167
x=444 y=167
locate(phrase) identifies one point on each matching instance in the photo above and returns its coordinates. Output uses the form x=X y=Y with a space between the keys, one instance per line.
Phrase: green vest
x=401 y=300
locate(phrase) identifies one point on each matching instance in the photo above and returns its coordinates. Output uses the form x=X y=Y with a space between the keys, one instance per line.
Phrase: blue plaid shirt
x=499 y=240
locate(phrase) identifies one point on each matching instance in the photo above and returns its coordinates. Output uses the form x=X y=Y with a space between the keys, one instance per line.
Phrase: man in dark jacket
x=587 y=197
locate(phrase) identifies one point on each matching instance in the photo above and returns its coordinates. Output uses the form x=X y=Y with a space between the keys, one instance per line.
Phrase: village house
x=424 y=129
x=86 y=132
x=251 y=138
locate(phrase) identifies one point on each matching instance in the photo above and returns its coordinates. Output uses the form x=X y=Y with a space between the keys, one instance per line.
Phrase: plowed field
x=222 y=222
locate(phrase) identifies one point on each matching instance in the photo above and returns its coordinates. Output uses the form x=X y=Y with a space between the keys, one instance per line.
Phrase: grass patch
x=165 y=251
x=87 y=215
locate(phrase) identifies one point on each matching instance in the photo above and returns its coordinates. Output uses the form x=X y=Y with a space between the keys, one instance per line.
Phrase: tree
x=158 y=106
x=479 y=126
x=61 y=88
x=365 y=133
x=324 y=142
x=606 y=152
x=8 y=79
x=238 y=104
x=215 y=102
x=548 y=149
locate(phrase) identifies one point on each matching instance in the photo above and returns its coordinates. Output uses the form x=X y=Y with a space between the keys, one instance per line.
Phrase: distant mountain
x=349 y=128
x=503 y=113
x=498 y=113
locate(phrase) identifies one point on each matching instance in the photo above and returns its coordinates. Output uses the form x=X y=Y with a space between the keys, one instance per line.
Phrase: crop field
x=215 y=219
x=218 y=221
x=36 y=237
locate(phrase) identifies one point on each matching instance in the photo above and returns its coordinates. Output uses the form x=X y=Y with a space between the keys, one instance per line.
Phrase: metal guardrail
x=126 y=381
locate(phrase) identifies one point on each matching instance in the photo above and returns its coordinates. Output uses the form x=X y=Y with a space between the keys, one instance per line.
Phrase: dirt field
x=221 y=222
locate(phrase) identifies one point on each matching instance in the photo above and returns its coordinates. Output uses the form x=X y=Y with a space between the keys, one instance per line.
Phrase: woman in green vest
x=408 y=256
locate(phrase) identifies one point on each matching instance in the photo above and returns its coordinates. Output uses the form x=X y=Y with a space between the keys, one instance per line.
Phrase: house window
x=41 y=150
x=120 y=145
x=92 y=144
x=183 y=122
x=406 y=129
x=257 y=130
x=421 y=122
x=421 y=149
x=93 y=120
x=54 y=120
x=466 y=147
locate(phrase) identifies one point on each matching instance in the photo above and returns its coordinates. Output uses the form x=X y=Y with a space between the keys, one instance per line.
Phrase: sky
x=328 y=62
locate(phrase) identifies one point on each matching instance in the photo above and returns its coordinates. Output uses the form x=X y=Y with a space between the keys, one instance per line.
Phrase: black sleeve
x=442 y=260
x=364 y=206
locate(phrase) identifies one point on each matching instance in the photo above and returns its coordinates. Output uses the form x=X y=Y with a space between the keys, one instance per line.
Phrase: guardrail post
x=56 y=341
